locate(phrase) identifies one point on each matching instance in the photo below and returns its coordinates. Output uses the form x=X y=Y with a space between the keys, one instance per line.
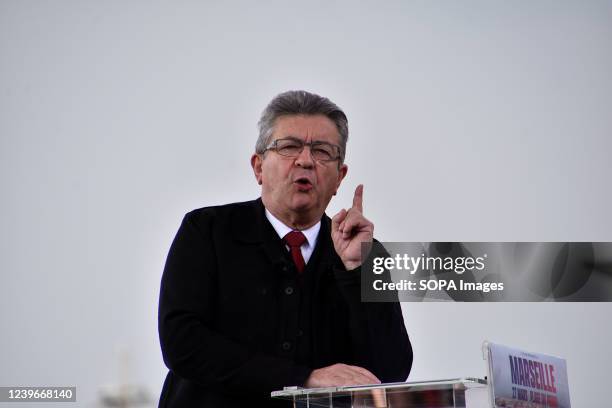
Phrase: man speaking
x=260 y=295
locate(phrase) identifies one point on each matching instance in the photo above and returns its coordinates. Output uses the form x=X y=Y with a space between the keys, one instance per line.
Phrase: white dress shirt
x=311 y=234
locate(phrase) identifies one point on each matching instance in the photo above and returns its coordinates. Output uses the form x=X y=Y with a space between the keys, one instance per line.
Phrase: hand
x=349 y=229
x=339 y=375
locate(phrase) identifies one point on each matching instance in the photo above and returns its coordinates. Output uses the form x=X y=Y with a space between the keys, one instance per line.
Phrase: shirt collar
x=281 y=229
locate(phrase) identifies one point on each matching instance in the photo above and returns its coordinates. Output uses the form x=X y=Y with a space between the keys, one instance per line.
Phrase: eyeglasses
x=292 y=147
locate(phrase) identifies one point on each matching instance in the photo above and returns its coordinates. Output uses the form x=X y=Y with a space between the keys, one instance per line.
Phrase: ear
x=256 y=161
x=341 y=175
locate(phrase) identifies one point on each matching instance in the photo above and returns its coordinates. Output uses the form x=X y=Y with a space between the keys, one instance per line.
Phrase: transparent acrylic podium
x=464 y=392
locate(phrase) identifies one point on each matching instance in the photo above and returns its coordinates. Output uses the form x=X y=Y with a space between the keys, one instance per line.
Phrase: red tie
x=295 y=239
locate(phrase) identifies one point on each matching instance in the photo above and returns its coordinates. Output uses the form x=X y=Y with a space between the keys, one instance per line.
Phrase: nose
x=304 y=159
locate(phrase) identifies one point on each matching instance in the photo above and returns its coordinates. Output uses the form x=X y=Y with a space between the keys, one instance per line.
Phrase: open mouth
x=303 y=183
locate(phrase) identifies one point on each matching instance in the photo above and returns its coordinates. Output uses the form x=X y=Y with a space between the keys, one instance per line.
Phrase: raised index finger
x=358 y=198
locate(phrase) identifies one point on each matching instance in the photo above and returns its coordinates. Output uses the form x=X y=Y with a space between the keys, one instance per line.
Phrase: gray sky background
x=470 y=121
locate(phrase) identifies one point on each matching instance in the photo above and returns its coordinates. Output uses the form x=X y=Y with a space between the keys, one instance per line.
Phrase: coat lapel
x=252 y=227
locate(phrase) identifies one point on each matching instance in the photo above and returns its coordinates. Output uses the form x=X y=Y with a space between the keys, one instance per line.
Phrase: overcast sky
x=469 y=121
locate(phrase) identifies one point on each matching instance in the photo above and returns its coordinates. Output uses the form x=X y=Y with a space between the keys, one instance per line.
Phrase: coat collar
x=250 y=225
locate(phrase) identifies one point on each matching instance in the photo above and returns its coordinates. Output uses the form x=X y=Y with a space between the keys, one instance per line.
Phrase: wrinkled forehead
x=307 y=128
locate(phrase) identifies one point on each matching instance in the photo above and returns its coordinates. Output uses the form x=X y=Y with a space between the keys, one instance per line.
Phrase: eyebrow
x=297 y=139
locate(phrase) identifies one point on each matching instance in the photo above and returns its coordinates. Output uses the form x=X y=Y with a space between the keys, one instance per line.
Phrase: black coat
x=230 y=327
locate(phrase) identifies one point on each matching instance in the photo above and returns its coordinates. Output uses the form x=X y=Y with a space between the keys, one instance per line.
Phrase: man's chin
x=303 y=204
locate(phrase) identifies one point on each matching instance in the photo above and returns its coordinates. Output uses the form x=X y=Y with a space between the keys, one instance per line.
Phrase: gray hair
x=300 y=103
